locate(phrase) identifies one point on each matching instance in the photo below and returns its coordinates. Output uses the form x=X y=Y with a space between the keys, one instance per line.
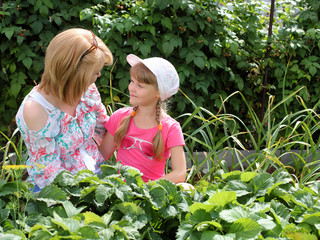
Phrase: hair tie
x=133 y=113
x=160 y=126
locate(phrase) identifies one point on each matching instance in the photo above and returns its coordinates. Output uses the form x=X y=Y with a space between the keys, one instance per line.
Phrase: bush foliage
x=218 y=47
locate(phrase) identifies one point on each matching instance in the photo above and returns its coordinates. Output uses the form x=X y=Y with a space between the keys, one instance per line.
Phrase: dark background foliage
x=217 y=47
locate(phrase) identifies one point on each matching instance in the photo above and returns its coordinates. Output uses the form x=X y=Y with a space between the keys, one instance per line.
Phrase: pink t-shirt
x=136 y=147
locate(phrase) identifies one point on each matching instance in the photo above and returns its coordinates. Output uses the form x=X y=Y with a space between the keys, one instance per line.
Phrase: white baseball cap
x=166 y=74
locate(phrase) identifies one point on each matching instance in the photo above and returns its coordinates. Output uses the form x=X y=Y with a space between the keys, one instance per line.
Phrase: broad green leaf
x=197 y=206
x=69 y=224
x=200 y=215
x=304 y=199
x=266 y=223
x=192 y=25
x=9 y=32
x=90 y=217
x=261 y=183
x=169 y=212
x=233 y=214
x=312 y=219
x=166 y=22
x=222 y=198
x=245 y=228
x=72 y=210
x=44 y=11
x=103 y=192
x=129 y=208
x=239 y=187
x=234 y=175
x=37 y=27
x=108 y=170
x=280 y=210
x=88 y=232
x=199 y=62
x=27 y=62
x=247 y=176
x=158 y=196
x=184 y=231
x=313 y=70
x=52 y=192
x=15 y=89
x=167 y=48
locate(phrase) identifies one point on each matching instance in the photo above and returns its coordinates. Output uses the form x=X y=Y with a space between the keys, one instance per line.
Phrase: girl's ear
x=158 y=94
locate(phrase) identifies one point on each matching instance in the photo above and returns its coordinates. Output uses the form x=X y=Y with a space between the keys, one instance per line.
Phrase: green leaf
x=166 y=22
x=27 y=62
x=90 y=217
x=231 y=215
x=103 y=192
x=72 y=210
x=48 y=3
x=196 y=206
x=199 y=62
x=9 y=32
x=37 y=27
x=261 y=183
x=245 y=228
x=129 y=208
x=184 y=231
x=247 y=176
x=44 y=11
x=144 y=49
x=167 y=48
x=313 y=70
x=222 y=198
x=157 y=196
x=192 y=25
x=15 y=89
x=52 y=192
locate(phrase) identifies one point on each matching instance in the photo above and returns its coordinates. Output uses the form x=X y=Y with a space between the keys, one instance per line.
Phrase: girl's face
x=142 y=94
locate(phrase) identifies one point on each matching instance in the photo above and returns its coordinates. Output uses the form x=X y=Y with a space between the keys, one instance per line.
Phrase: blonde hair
x=67 y=71
x=143 y=75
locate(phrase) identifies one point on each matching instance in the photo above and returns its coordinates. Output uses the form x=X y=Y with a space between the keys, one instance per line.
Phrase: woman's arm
x=107 y=146
x=42 y=148
x=178 y=165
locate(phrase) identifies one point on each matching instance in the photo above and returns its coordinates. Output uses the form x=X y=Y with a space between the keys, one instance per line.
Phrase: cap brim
x=133 y=59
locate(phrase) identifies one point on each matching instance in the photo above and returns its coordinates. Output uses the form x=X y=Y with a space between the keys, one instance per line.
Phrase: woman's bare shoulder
x=34 y=114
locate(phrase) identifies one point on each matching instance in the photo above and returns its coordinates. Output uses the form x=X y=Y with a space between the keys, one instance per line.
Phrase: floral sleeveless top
x=65 y=142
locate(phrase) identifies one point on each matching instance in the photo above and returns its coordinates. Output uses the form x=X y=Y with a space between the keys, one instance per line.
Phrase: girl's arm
x=178 y=165
x=107 y=146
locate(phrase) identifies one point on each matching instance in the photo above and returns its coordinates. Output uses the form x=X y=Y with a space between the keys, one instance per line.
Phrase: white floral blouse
x=65 y=142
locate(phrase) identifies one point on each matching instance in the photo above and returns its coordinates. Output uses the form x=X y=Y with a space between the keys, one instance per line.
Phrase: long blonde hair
x=143 y=75
x=67 y=72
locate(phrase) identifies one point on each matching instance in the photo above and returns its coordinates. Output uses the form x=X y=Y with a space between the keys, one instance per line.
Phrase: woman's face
x=96 y=74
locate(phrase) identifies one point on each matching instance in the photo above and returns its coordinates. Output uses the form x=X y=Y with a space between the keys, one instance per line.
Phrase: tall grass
x=290 y=144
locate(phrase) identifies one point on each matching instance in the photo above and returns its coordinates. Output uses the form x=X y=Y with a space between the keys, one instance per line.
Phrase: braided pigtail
x=123 y=128
x=157 y=142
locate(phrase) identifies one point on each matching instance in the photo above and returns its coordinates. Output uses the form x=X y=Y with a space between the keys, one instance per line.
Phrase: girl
x=144 y=135
x=62 y=118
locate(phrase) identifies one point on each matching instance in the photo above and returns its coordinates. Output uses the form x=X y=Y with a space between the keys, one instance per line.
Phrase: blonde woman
x=62 y=119
x=144 y=135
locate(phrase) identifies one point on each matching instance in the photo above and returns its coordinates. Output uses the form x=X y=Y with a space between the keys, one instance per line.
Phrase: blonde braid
x=157 y=142
x=123 y=128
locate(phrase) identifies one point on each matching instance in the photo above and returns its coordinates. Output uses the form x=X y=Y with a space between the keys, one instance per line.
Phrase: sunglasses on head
x=94 y=46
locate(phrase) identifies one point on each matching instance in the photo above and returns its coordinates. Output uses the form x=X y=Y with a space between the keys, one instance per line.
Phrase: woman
x=62 y=119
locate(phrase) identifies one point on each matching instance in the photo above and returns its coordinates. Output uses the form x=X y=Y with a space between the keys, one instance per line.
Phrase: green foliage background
x=216 y=49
